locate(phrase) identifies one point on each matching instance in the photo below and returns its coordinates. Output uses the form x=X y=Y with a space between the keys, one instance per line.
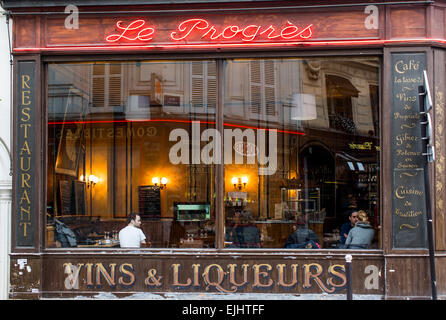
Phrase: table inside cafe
x=105 y=241
x=89 y=232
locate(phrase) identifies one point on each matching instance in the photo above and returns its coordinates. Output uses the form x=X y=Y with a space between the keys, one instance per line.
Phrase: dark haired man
x=132 y=236
x=345 y=228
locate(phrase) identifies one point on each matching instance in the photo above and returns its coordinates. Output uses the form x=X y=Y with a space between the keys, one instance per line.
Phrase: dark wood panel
x=228 y=273
x=408 y=22
x=407 y=276
x=25 y=277
x=396 y=22
x=26 y=183
x=327 y=24
x=403 y=277
x=24 y=31
x=437 y=30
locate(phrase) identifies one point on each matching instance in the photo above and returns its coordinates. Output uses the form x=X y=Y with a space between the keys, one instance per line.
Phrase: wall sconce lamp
x=92 y=180
x=162 y=185
x=239 y=183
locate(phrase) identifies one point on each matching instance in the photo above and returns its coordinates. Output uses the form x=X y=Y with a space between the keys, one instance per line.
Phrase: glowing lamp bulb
x=244 y=180
x=155 y=180
x=234 y=180
x=93 y=179
x=163 y=180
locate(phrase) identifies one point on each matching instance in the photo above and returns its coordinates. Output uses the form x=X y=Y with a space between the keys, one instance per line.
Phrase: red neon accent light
x=249 y=33
x=188 y=29
x=174 y=120
x=272 y=44
x=144 y=34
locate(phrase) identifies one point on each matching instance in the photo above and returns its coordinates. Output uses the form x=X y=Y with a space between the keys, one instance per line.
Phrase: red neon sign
x=190 y=29
x=248 y=33
x=144 y=34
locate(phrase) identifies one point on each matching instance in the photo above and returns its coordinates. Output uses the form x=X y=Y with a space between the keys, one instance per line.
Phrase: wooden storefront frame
x=392 y=259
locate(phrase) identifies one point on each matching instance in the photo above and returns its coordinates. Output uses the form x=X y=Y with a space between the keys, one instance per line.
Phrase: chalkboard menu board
x=407 y=161
x=67 y=202
x=149 y=199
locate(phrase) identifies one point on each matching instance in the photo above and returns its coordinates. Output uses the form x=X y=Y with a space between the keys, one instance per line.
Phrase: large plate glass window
x=301 y=150
x=124 y=137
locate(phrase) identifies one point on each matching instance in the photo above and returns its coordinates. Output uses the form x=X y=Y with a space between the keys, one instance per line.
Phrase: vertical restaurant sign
x=407 y=161
x=25 y=209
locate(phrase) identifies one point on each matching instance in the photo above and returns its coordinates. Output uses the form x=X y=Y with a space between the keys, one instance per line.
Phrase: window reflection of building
x=339 y=98
x=127 y=138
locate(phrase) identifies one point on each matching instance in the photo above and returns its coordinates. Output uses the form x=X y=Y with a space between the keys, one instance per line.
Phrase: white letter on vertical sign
x=371 y=21
x=372 y=280
x=72 y=21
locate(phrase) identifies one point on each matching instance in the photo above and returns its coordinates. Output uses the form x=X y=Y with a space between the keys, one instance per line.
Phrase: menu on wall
x=407 y=161
x=149 y=199
x=67 y=205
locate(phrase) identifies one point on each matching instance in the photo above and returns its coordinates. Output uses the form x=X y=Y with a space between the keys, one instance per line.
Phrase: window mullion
x=219 y=177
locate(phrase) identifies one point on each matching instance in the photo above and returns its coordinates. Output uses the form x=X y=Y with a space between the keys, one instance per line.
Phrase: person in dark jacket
x=246 y=234
x=361 y=235
x=346 y=227
x=302 y=237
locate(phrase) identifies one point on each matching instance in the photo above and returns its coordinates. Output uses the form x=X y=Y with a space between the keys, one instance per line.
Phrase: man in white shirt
x=132 y=236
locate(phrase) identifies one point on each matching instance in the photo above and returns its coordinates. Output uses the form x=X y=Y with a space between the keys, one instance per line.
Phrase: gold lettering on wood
x=176 y=282
x=25 y=197
x=110 y=277
x=24 y=224
x=220 y=278
x=308 y=275
x=25 y=155
x=232 y=268
x=127 y=272
x=25 y=112
x=89 y=274
x=258 y=273
x=25 y=130
x=212 y=277
x=281 y=268
x=336 y=274
x=152 y=279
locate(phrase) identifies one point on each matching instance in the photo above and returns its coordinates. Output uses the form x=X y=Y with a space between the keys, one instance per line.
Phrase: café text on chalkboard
x=407 y=161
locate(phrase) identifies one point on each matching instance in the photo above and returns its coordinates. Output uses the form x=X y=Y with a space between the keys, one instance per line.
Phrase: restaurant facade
x=223 y=124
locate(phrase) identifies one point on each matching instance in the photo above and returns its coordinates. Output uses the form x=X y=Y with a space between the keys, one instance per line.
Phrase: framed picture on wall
x=70 y=137
x=68 y=151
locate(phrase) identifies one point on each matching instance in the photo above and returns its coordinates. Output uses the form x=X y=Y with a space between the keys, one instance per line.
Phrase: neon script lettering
x=248 y=33
x=203 y=30
x=144 y=34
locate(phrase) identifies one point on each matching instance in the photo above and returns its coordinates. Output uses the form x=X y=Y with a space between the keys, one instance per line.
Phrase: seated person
x=361 y=235
x=302 y=237
x=346 y=227
x=246 y=234
x=132 y=236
